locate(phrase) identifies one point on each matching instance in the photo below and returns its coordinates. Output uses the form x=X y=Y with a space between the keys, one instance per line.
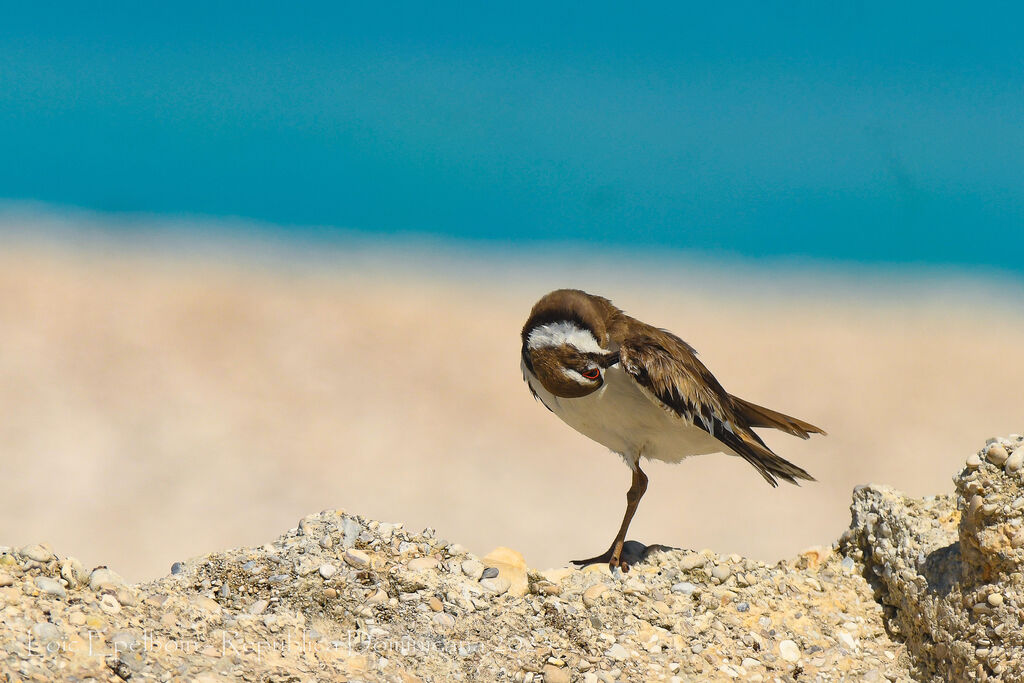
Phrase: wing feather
x=669 y=369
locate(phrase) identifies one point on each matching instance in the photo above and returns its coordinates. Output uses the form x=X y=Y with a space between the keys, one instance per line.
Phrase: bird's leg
x=613 y=556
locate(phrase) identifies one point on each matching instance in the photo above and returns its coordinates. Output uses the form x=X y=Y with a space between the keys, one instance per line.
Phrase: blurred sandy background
x=160 y=400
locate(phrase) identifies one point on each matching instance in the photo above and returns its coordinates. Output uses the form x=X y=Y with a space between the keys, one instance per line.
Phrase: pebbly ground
x=916 y=589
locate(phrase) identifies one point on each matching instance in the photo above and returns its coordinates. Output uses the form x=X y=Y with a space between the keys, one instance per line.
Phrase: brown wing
x=668 y=368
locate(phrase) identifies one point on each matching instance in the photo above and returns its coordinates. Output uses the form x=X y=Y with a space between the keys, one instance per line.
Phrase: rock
x=789 y=651
x=50 y=587
x=357 y=558
x=45 y=632
x=259 y=607
x=444 y=620
x=973 y=461
x=498 y=585
x=946 y=573
x=996 y=454
x=422 y=564
x=846 y=640
x=617 y=652
x=1015 y=462
x=36 y=553
x=591 y=595
x=474 y=569
x=109 y=604
x=553 y=674
x=350 y=530
x=966 y=551
x=103 y=578
x=72 y=571
x=511 y=566
x=721 y=572
x=692 y=561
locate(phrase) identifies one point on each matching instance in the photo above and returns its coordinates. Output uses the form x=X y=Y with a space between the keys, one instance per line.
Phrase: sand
x=147 y=389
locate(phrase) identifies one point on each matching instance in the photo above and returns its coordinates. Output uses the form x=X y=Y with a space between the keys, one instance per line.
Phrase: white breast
x=622 y=416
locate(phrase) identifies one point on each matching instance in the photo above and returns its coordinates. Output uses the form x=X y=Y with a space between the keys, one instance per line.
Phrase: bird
x=641 y=391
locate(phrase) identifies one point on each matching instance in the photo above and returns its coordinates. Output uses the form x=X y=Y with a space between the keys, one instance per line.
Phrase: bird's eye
x=591 y=374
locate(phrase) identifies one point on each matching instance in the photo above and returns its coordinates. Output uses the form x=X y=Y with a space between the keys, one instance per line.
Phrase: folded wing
x=669 y=370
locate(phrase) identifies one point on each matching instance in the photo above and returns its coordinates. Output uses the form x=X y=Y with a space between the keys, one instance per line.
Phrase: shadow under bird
x=641 y=392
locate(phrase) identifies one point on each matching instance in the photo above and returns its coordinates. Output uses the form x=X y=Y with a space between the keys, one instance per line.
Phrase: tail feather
x=770 y=465
x=751 y=448
x=759 y=416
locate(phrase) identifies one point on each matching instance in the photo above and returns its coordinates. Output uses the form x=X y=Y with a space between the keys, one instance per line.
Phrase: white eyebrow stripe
x=560 y=333
x=575 y=376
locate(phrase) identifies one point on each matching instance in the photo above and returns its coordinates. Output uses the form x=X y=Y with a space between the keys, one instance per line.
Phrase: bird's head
x=566 y=357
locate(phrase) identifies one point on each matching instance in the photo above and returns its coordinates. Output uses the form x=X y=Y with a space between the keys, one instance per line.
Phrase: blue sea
x=861 y=134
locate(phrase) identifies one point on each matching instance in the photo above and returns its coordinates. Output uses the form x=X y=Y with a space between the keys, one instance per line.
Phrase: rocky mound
x=341 y=597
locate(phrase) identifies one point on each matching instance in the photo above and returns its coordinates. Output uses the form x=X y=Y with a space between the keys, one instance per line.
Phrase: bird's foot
x=613 y=556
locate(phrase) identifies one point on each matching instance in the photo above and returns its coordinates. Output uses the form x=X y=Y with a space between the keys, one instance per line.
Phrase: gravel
x=380 y=603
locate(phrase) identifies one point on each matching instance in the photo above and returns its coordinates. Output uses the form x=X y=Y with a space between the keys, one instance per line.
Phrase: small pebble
x=490 y=573
x=973 y=461
x=789 y=651
x=72 y=571
x=52 y=587
x=721 y=572
x=258 y=607
x=126 y=597
x=995 y=599
x=435 y=604
x=177 y=568
x=497 y=585
x=104 y=578
x=474 y=569
x=6 y=580
x=974 y=505
x=554 y=674
x=693 y=561
x=350 y=530
x=684 y=587
x=421 y=564
x=45 y=632
x=591 y=595
x=617 y=652
x=445 y=620
x=109 y=604
x=996 y=454
x=1016 y=460
x=357 y=558
x=742 y=606
x=327 y=570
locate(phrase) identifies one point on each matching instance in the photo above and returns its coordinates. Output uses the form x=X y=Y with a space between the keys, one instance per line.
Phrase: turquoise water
x=866 y=134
